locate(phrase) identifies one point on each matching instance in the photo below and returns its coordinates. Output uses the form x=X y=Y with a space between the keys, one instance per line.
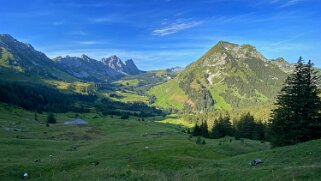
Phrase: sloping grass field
x=109 y=148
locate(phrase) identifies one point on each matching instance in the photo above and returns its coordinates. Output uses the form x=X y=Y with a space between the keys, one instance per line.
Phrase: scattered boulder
x=25 y=175
x=95 y=163
x=256 y=162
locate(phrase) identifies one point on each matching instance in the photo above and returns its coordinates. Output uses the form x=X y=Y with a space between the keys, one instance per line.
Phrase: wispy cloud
x=102 y=20
x=291 y=3
x=175 y=27
x=57 y=23
x=286 y=3
x=290 y=39
x=111 y=18
x=97 y=4
x=79 y=33
x=88 y=42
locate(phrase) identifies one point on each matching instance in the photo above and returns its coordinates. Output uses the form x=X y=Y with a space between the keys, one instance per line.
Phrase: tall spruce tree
x=204 y=129
x=197 y=130
x=222 y=127
x=245 y=126
x=297 y=114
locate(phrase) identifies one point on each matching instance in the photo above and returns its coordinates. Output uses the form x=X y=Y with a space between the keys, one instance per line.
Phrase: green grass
x=128 y=97
x=138 y=150
x=131 y=82
x=173 y=119
x=169 y=95
x=219 y=100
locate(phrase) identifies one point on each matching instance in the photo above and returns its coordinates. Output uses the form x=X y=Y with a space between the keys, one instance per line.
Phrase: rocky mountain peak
x=114 y=63
x=118 y=65
x=83 y=56
x=129 y=61
x=131 y=67
x=225 y=51
x=112 y=58
x=226 y=45
x=283 y=64
x=6 y=37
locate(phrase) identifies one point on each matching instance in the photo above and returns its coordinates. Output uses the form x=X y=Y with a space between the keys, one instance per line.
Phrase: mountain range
x=228 y=76
x=24 y=59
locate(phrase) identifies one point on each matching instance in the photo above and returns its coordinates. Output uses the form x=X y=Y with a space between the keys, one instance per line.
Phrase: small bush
x=203 y=142
x=124 y=116
x=51 y=118
x=198 y=140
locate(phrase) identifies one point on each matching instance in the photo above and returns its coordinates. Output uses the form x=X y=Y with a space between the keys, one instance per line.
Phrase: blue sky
x=164 y=33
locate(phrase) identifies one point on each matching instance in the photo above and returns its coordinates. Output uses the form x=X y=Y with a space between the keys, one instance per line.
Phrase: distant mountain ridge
x=115 y=63
x=23 y=58
x=84 y=67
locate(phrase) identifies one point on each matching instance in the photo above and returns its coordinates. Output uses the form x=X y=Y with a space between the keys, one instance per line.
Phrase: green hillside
x=169 y=95
x=227 y=76
x=115 y=149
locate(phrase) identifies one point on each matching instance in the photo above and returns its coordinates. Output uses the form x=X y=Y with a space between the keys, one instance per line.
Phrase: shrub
x=51 y=118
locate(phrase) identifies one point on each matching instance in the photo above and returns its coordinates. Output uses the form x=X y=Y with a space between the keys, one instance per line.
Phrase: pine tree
x=196 y=131
x=204 y=129
x=215 y=132
x=259 y=131
x=198 y=140
x=312 y=113
x=203 y=142
x=297 y=114
x=245 y=126
x=222 y=127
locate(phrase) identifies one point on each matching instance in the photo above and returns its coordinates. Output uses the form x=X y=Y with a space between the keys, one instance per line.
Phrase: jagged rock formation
x=86 y=68
x=22 y=58
x=115 y=63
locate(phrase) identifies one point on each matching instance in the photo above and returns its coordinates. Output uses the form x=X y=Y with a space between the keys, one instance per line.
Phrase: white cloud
x=175 y=27
x=102 y=20
x=88 y=42
x=80 y=33
x=111 y=18
x=286 y=3
x=57 y=23
x=291 y=3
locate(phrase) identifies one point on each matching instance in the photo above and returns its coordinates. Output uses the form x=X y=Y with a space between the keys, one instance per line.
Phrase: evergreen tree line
x=110 y=107
x=245 y=127
x=39 y=98
x=297 y=117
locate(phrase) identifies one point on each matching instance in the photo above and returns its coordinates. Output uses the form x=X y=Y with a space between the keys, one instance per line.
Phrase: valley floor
x=109 y=148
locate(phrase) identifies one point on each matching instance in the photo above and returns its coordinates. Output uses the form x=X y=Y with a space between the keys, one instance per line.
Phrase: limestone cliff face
x=115 y=63
x=86 y=68
x=131 y=67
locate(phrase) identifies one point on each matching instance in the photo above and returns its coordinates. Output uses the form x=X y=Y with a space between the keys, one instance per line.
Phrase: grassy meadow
x=109 y=148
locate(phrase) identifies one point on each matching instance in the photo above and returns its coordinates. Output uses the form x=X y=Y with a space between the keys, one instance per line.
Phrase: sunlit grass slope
x=115 y=149
x=169 y=95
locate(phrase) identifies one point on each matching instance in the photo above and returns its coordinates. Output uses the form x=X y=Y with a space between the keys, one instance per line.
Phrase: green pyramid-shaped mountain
x=227 y=76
